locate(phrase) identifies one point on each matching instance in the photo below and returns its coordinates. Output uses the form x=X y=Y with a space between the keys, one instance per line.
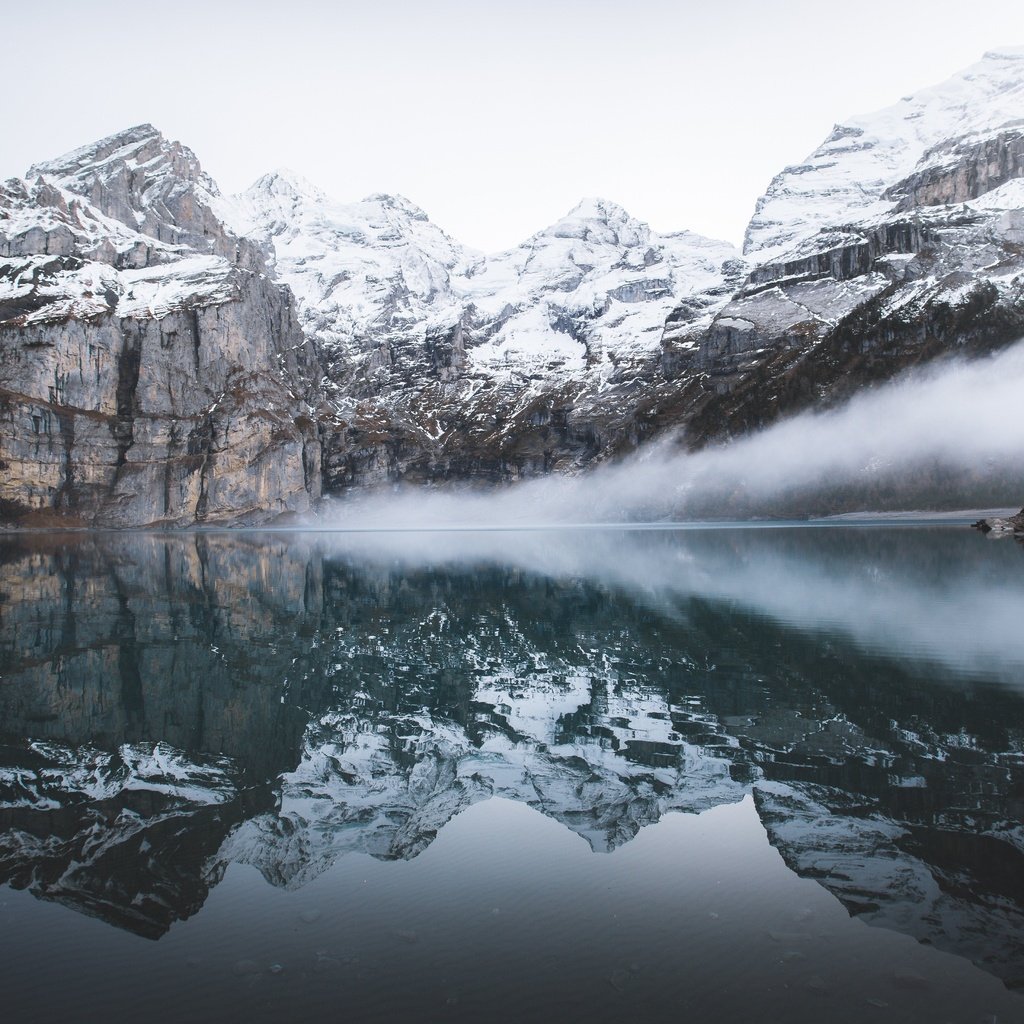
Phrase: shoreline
x=919 y=517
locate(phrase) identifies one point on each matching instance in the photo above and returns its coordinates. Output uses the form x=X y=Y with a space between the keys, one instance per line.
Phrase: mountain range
x=172 y=355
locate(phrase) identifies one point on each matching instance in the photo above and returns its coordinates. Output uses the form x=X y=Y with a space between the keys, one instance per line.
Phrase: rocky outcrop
x=153 y=186
x=895 y=243
x=960 y=170
x=150 y=371
x=1000 y=527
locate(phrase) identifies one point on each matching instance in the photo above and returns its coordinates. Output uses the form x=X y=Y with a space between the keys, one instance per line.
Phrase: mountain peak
x=121 y=144
x=1005 y=53
x=149 y=183
x=285 y=182
x=849 y=177
x=602 y=210
x=599 y=220
x=396 y=201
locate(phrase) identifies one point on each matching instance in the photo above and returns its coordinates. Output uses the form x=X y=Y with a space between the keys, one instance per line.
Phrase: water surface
x=739 y=774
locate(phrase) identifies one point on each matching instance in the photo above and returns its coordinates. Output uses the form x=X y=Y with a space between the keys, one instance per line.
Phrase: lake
x=730 y=773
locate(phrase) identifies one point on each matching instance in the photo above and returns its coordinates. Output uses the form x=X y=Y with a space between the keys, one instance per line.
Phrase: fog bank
x=940 y=437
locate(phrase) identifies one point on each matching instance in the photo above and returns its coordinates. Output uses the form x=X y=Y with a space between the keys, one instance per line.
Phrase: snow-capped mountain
x=154 y=187
x=596 y=285
x=442 y=361
x=895 y=242
x=872 y=166
x=361 y=272
x=592 y=289
x=169 y=354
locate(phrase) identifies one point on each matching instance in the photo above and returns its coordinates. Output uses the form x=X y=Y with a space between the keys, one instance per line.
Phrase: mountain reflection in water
x=174 y=704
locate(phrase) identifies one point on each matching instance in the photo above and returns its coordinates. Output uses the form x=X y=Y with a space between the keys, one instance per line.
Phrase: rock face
x=154 y=370
x=1003 y=527
x=150 y=371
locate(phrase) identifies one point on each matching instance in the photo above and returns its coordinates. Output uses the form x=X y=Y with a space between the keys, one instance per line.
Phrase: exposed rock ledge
x=1003 y=527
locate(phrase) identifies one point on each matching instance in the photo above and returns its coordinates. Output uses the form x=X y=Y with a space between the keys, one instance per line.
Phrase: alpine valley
x=172 y=355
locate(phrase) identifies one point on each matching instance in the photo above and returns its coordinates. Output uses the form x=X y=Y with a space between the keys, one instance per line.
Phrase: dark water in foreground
x=724 y=775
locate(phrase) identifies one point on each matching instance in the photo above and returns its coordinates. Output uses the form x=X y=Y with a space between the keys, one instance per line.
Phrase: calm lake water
x=605 y=775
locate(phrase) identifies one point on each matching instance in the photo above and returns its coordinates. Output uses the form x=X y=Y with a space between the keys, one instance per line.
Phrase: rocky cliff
x=150 y=370
x=896 y=242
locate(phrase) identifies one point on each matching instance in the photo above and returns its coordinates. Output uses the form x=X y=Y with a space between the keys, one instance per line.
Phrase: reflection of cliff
x=140 y=639
x=198 y=700
x=118 y=656
x=129 y=836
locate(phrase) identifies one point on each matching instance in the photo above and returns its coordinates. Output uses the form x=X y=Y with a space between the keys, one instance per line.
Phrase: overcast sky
x=496 y=117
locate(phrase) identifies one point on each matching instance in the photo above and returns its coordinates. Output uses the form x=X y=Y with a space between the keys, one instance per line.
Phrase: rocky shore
x=1010 y=526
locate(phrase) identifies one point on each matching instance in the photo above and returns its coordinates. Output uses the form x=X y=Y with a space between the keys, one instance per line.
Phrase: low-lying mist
x=946 y=436
x=942 y=595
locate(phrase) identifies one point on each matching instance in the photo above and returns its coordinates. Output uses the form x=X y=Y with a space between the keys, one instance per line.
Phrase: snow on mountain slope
x=150 y=184
x=445 y=362
x=597 y=282
x=596 y=285
x=896 y=242
x=112 y=227
x=131 y=221
x=845 y=180
x=409 y=357
x=360 y=271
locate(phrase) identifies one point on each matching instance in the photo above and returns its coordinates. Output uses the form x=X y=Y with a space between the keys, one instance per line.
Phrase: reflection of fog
x=939 y=594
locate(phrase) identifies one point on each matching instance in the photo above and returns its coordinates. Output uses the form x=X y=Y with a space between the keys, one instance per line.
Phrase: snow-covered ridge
x=843 y=181
x=596 y=282
x=121 y=226
x=151 y=184
x=61 y=257
x=356 y=268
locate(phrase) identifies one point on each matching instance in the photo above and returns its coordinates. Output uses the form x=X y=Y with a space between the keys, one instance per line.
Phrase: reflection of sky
x=507 y=916
x=943 y=595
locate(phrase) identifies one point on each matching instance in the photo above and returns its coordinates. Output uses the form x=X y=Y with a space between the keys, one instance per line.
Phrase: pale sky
x=496 y=117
